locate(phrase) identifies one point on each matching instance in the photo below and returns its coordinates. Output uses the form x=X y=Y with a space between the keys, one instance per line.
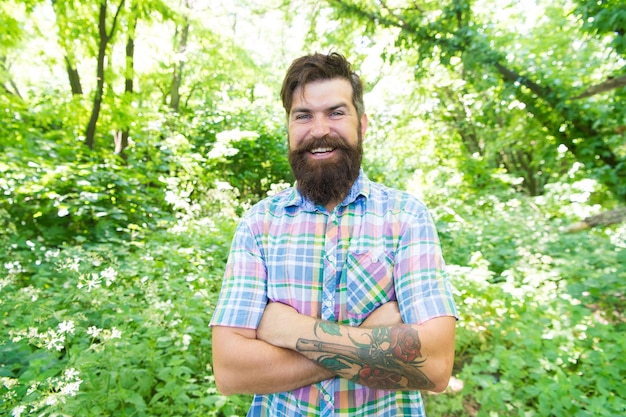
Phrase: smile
x=321 y=150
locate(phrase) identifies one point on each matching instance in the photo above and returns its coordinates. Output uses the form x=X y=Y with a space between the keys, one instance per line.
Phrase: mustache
x=326 y=141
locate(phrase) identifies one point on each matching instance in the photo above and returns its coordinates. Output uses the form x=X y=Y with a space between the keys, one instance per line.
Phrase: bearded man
x=335 y=299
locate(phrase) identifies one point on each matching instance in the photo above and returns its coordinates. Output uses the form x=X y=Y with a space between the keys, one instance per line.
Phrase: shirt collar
x=361 y=187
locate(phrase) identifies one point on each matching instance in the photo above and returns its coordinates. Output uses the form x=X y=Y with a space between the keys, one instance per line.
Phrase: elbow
x=226 y=385
x=441 y=378
x=224 y=389
x=440 y=385
x=221 y=383
x=229 y=377
x=228 y=382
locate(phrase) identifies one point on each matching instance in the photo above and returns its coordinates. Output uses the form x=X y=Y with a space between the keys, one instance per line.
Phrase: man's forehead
x=336 y=90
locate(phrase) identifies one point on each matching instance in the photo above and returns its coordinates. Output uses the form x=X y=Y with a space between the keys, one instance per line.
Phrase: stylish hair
x=318 y=67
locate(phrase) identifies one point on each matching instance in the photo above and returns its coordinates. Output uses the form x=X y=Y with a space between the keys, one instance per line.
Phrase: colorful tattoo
x=390 y=360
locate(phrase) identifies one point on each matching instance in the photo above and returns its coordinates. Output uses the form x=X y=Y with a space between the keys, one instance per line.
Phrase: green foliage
x=605 y=18
x=532 y=349
x=503 y=84
x=115 y=329
x=110 y=267
x=63 y=199
x=541 y=310
x=249 y=152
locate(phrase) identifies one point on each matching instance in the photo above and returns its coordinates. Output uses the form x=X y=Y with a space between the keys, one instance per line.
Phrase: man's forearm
x=385 y=357
x=244 y=365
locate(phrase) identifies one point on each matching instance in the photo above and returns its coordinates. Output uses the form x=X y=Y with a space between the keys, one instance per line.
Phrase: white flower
x=71 y=389
x=115 y=334
x=93 y=331
x=66 y=327
x=33 y=387
x=70 y=374
x=51 y=399
x=8 y=382
x=54 y=340
x=109 y=275
x=90 y=281
x=73 y=264
x=17 y=411
x=33 y=333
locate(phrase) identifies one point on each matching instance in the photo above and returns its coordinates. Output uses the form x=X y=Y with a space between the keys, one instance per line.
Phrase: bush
x=115 y=329
x=541 y=312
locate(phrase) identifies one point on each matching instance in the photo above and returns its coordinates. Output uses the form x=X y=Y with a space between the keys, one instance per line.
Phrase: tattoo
x=390 y=360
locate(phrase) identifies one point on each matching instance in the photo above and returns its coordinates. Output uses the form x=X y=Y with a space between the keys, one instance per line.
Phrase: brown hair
x=318 y=67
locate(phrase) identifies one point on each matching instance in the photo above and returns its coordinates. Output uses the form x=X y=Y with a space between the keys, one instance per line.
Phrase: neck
x=331 y=206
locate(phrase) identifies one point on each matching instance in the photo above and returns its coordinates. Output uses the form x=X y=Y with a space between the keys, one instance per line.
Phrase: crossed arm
x=290 y=350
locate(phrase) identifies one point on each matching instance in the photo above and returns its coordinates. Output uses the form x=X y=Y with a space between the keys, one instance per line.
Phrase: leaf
x=333 y=364
x=328 y=328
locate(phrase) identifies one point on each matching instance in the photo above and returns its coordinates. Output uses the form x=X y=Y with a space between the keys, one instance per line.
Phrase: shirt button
x=331 y=258
x=326 y=397
x=374 y=259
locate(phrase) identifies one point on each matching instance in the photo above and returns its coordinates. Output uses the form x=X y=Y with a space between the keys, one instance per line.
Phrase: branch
x=117 y=14
x=513 y=76
x=611 y=83
x=372 y=16
x=603 y=219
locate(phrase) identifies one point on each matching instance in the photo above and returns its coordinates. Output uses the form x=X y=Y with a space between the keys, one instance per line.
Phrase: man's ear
x=363 y=125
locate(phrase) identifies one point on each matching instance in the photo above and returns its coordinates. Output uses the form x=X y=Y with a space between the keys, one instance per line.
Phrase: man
x=335 y=300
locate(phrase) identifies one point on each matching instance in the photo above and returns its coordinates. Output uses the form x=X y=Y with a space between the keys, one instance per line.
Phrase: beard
x=326 y=180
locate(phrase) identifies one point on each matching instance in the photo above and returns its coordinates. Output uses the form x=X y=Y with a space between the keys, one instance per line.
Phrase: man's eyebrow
x=300 y=110
x=308 y=110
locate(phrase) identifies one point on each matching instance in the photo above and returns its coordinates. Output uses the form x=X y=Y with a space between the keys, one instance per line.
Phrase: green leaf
x=328 y=328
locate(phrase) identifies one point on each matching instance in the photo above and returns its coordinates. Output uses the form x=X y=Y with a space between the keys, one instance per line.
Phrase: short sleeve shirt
x=378 y=245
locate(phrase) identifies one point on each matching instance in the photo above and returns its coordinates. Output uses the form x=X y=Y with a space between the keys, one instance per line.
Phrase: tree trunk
x=177 y=77
x=121 y=143
x=90 y=135
x=103 y=41
x=73 y=76
x=60 y=13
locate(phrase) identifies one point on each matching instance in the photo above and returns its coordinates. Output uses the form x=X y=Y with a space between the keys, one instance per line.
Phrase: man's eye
x=337 y=113
x=302 y=116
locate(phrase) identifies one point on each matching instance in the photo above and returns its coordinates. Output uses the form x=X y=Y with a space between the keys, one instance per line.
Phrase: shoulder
x=275 y=205
x=395 y=200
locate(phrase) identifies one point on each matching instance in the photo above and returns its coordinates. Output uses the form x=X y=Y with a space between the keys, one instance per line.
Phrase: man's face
x=325 y=140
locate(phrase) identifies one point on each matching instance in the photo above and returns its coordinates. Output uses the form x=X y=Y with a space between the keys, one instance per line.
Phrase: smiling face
x=325 y=140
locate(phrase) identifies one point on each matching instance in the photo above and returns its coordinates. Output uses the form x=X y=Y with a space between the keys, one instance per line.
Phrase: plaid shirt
x=379 y=245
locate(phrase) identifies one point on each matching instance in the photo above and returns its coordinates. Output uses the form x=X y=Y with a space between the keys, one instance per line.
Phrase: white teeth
x=321 y=150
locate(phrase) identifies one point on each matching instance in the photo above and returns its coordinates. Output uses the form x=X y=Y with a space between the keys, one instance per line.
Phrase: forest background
x=134 y=133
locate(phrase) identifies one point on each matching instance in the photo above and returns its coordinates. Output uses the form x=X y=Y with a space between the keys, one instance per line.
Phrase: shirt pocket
x=369 y=282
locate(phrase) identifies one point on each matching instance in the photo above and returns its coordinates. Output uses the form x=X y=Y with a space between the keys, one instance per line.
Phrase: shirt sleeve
x=243 y=296
x=422 y=285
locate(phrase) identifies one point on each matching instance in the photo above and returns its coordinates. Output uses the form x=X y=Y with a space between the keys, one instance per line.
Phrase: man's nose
x=320 y=127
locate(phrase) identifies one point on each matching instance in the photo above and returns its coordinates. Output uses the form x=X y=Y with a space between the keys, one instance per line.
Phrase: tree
x=458 y=37
x=181 y=38
x=105 y=35
x=66 y=37
x=121 y=137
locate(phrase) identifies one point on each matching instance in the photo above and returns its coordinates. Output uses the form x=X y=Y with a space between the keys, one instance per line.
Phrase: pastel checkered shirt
x=379 y=245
